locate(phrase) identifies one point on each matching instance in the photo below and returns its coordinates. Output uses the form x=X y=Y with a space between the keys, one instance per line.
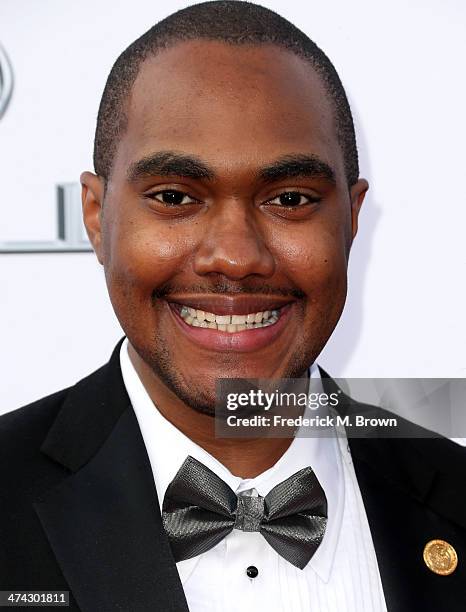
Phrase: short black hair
x=231 y=21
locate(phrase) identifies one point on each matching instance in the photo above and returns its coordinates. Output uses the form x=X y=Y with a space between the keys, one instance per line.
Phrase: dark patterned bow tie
x=199 y=510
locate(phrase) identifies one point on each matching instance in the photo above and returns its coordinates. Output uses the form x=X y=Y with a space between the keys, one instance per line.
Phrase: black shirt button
x=252 y=571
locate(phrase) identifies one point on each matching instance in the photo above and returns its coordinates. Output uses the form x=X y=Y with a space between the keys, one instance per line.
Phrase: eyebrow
x=297 y=166
x=171 y=163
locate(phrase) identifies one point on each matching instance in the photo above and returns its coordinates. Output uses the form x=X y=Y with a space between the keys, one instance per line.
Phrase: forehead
x=230 y=104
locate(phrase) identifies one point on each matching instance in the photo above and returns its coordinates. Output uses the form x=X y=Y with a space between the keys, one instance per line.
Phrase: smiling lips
x=229 y=323
x=241 y=323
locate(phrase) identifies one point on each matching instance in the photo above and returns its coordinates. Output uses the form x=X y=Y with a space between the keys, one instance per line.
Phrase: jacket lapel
x=103 y=521
x=412 y=489
x=406 y=506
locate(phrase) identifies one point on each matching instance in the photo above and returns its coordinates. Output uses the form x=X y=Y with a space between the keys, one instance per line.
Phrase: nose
x=233 y=244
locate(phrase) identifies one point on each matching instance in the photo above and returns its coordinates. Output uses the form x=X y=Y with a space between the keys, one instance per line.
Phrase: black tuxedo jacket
x=79 y=510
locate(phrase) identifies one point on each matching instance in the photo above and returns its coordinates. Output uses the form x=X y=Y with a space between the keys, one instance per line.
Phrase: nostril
x=234 y=258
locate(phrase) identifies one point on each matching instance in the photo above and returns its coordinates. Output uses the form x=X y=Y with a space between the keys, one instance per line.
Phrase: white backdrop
x=403 y=67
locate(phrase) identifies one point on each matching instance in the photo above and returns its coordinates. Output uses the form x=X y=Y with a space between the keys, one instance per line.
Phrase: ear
x=357 y=194
x=92 y=195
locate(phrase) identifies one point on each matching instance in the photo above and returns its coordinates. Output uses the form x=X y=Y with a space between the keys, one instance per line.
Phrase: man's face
x=228 y=196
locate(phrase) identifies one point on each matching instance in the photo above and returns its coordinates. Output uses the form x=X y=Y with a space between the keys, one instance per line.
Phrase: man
x=223 y=208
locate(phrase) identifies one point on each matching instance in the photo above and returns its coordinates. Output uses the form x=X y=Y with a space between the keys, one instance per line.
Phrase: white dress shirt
x=343 y=574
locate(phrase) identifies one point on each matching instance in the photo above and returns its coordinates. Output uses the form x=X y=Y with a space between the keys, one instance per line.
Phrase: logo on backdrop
x=6 y=81
x=71 y=235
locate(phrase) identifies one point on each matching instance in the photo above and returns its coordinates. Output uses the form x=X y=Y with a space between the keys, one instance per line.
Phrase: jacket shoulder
x=22 y=432
x=35 y=419
x=27 y=433
x=30 y=420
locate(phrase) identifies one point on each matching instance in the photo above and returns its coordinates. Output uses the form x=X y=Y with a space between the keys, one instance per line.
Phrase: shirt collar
x=167 y=448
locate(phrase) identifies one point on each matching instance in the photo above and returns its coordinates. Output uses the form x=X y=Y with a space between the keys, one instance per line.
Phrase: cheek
x=142 y=254
x=315 y=260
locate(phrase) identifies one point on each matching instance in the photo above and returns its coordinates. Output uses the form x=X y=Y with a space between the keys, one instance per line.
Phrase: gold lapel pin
x=440 y=557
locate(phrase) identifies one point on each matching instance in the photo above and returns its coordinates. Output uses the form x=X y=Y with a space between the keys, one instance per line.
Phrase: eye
x=293 y=199
x=171 y=197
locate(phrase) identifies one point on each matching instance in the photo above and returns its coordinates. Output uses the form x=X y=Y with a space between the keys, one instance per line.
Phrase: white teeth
x=238 y=319
x=228 y=323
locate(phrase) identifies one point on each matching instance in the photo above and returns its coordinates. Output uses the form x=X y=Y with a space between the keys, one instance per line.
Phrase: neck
x=244 y=457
